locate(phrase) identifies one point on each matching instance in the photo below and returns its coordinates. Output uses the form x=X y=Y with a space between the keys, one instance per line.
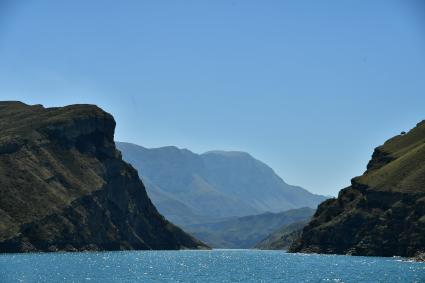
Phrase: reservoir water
x=204 y=266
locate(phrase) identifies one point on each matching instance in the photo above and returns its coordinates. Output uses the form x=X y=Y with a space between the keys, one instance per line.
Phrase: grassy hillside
x=383 y=212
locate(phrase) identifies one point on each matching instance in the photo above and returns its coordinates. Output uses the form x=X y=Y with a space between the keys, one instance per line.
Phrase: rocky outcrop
x=419 y=257
x=382 y=213
x=64 y=186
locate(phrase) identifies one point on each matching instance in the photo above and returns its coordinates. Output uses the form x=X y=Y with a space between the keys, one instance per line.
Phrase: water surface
x=204 y=266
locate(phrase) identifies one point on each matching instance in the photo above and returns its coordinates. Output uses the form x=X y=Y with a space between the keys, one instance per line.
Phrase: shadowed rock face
x=383 y=212
x=64 y=186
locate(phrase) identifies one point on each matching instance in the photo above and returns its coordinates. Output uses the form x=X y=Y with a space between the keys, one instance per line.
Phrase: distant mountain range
x=284 y=237
x=190 y=188
x=248 y=231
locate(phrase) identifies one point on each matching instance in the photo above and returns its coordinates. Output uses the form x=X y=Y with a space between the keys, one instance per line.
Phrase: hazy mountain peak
x=226 y=153
x=216 y=183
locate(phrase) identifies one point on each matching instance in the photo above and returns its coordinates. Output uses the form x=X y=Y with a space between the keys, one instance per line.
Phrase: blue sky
x=309 y=87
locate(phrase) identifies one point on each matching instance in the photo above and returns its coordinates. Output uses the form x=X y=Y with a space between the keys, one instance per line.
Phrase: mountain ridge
x=282 y=238
x=246 y=231
x=215 y=183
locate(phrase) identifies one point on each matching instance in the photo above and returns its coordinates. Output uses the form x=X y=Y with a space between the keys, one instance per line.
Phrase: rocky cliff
x=64 y=186
x=383 y=212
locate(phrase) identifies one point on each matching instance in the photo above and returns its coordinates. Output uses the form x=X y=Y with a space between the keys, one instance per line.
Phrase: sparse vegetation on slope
x=383 y=212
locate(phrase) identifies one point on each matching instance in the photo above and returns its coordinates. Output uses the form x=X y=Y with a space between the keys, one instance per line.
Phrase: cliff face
x=383 y=212
x=64 y=186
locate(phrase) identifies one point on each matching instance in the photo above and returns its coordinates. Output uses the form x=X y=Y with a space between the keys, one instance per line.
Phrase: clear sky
x=309 y=87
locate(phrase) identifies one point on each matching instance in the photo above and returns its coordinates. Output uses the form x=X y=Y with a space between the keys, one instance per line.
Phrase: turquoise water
x=204 y=266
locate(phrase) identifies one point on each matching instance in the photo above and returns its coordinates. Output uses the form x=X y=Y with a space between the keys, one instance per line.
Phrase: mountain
x=382 y=213
x=214 y=185
x=64 y=186
x=245 y=232
x=283 y=238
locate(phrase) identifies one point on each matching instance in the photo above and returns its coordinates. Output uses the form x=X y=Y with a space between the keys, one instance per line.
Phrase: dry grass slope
x=383 y=212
